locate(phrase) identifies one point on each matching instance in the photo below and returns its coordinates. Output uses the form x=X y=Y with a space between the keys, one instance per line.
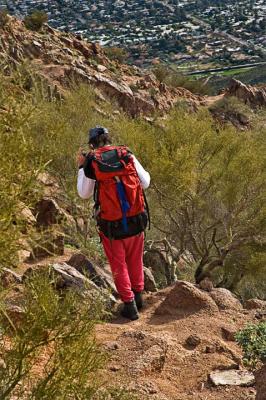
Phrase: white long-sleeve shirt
x=86 y=185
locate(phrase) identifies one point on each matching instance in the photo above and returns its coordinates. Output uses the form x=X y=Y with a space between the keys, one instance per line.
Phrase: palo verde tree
x=207 y=192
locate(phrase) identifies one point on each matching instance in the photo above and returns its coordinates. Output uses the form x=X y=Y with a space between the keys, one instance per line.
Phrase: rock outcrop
x=255 y=304
x=253 y=96
x=60 y=59
x=185 y=299
x=99 y=275
x=225 y=299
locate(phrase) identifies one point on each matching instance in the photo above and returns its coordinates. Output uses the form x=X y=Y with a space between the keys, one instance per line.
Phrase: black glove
x=88 y=167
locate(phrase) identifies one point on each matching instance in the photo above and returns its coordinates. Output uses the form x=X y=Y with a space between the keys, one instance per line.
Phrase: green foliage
x=207 y=186
x=38 y=135
x=19 y=167
x=176 y=79
x=4 y=18
x=35 y=20
x=231 y=104
x=50 y=351
x=117 y=54
x=252 y=339
x=207 y=193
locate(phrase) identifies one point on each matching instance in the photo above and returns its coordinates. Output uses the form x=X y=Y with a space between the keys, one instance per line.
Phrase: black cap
x=97 y=131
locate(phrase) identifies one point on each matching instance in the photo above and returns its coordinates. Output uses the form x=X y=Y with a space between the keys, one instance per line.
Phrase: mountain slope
x=61 y=58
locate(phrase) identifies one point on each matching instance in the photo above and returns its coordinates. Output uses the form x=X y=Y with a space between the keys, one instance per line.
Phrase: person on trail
x=117 y=180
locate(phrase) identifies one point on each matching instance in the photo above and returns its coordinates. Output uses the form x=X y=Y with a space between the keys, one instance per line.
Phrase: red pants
x=126 y=260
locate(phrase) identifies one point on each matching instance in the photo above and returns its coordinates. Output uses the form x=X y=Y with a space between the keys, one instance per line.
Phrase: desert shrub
x=35 y=20
x=177 y=79
x=117 y=54
x=37 y=135
x=207 y=192
x=252 y=339
x=207 y=187
x=4 y=18
x=19 y=168
x=50 y=352
x=231 y=105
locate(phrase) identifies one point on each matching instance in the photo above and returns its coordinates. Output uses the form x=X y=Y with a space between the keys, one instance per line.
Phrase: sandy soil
x=151 y=356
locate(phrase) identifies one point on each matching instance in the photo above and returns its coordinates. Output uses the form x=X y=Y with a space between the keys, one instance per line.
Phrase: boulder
x=49 y=184
x=228 y=334
x=101 y=68
x=9 y=278
x=149 y=281
x=193 y=341
x=254 y=304
x=25 y=214
x=232 y=378
x=184 y=299
x=225 y=299
x=96 y=48
x=24 y=255
x=260 y=378
x=100 y=276
x=206 y=284
x=255 y=97
x=69 y=277
x=48 y=212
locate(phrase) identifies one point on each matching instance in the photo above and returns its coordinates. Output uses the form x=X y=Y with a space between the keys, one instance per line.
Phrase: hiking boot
x=138 y=300
x=130 y=311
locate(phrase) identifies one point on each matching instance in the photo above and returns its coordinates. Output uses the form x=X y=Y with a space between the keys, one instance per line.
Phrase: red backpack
x=119 y=198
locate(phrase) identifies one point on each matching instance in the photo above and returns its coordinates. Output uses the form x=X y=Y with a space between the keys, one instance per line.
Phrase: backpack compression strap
x=123 y=202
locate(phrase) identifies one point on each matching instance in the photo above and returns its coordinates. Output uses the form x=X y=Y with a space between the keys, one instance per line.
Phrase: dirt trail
x=152 y=357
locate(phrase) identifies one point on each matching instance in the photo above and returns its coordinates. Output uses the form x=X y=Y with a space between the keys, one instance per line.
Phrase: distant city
x=190 y=35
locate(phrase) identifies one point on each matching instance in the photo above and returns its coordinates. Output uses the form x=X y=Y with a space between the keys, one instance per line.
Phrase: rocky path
x=168 y=355
x=183 y=334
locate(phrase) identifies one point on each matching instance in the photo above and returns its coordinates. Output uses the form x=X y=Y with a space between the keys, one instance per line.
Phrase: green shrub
x=35 y=20
x=252 y=339
x=116 y=53
x=207 y=193
x=51 y=351
x=4 y=18
x=177 y=79
x=19 y=168
x=231 y=104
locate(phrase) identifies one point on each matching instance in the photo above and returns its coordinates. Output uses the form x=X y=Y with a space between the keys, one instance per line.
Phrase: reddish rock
x=254 y=304
x=206 y=284
x=149 y=281
x=100 y=276
x=15 y=314
x=185 y=298
x=260 y=379
x=193 y=341
x=225 y=299
x=255 y=97
x=25 y=214
x=96 y=48
x=228 y=334
x=9 y=277
x=48 y=212
x=83 y=48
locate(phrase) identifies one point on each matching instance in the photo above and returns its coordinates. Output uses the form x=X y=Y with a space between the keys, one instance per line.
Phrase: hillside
x=61 y=59
x=61 y=334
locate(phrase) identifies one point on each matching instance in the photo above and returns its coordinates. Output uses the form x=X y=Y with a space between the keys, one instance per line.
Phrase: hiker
x=116 y=179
